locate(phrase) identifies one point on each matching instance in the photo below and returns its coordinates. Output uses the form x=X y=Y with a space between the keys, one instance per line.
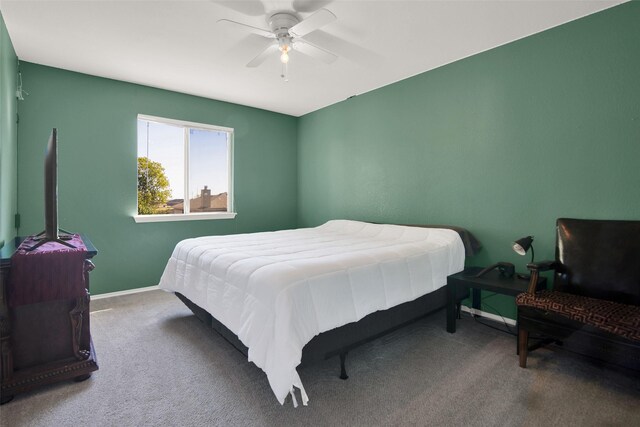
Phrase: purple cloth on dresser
x=51 y=272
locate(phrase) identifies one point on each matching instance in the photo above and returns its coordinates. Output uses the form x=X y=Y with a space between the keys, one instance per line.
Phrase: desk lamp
x=521 y=246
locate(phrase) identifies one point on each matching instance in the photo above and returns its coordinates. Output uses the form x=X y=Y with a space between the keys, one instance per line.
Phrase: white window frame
x=188 y=216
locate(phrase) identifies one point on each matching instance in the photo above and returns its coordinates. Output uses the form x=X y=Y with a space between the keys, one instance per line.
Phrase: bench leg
x=523 y=346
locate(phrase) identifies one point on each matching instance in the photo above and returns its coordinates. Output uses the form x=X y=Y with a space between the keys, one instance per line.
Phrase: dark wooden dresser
x=43 y=342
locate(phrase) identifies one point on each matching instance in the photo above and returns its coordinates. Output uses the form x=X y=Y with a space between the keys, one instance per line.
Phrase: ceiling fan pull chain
x=285 y=72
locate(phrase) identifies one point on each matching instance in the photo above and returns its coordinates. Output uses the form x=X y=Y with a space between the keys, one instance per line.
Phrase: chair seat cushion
x=613 y=317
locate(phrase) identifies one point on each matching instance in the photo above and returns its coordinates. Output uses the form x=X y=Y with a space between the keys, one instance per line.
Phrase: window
x=182 y=161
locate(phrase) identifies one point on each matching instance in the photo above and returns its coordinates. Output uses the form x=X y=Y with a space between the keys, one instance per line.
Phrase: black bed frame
x=339 y=341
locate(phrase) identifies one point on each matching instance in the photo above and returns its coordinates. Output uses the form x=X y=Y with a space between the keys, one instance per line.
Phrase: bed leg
x=459 y=310
x=343 y=369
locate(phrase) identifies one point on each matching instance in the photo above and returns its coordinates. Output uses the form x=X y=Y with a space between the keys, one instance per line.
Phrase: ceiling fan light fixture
x=284 y=44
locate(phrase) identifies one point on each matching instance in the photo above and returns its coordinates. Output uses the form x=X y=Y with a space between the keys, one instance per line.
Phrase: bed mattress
x=277 y=290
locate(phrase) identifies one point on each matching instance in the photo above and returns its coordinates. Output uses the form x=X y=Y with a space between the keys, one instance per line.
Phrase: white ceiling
x=178 y=45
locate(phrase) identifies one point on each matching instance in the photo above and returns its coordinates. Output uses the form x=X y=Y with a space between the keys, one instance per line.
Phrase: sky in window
x=208 y=159
x=164 y=143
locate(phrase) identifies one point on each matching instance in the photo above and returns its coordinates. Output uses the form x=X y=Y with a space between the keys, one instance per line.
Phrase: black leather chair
x=595 y=300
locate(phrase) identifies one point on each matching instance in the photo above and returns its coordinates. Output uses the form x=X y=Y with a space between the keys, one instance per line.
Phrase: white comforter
x=277 y=290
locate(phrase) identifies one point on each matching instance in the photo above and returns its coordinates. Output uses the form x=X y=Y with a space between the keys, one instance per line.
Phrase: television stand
x=44 y=341
x=58 y=238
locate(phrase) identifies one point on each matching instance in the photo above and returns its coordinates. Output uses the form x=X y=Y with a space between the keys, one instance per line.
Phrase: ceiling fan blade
x=268 y=51
x=313 y=51
x=255 y=30
x=305 y=6
x=319 y=19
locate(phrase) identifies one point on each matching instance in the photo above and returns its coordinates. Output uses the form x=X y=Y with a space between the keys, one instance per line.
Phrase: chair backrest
x=599 y=259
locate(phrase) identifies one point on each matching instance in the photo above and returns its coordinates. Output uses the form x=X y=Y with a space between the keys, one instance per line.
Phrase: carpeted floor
x=159 y=365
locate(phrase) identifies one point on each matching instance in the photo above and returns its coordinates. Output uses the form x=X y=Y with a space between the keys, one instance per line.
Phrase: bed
x=323 y=289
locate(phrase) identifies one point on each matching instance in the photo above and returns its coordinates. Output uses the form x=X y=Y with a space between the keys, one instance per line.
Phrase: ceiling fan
x=286 y=34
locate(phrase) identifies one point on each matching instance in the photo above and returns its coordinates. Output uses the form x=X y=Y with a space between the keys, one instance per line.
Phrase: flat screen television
x=51 y=230
x=51 y=187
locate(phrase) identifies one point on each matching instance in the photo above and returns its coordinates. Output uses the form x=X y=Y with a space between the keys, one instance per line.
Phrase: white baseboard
x=127 y=292
x=489 y=315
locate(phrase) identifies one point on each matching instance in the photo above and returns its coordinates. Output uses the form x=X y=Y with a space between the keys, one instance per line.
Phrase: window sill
x=183 y=217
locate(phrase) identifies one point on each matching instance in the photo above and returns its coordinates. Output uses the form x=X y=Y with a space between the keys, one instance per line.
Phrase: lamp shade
x=521 y=246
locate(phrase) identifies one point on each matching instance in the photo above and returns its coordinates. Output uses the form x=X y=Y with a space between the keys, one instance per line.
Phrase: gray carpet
x=159 y=365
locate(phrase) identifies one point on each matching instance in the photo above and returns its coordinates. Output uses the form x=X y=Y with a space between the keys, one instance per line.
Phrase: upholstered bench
x=594 y=307
x=616 y=318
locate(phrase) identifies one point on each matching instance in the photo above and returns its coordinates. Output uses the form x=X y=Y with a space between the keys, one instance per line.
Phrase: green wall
x=501 y=143
x=97 y=151
x=8 y=136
